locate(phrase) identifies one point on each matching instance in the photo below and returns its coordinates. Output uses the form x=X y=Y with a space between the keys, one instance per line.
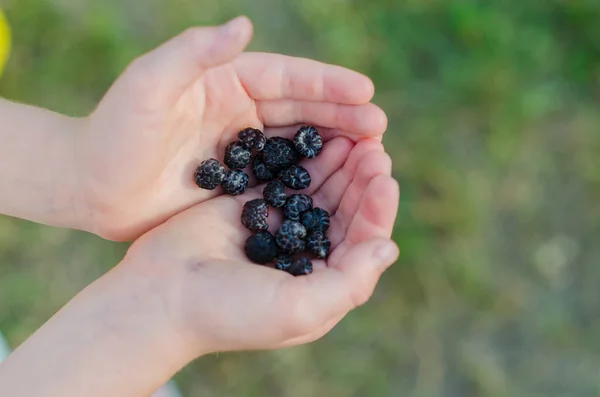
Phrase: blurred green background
x=495 y=135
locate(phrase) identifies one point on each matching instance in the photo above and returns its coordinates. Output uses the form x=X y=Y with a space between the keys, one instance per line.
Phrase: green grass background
x=495 y=136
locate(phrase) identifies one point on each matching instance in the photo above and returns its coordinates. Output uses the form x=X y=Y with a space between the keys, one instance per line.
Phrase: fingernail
x=231 y=28
x=387 y=253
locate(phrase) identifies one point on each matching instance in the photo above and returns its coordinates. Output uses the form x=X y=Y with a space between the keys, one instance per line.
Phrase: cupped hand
x=217 y=300
x=183 y=103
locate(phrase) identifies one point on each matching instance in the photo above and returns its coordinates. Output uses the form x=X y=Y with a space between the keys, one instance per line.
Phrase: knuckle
x=192 y=37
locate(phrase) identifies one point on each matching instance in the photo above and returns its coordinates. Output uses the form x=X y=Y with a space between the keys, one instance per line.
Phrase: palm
x=274 y=308
x=144 y=141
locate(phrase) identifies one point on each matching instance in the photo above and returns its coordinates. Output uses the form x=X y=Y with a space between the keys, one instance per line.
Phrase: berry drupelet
x=252 y=139
x=260 y=169
x=283 y=262
x=315 y=220
x=308 y=142
x=301 y=267
x=295 y=205
x=209 y=174
x=235 y=182
x=237 y=156
x=280 y=153
x=290 y=237
x=295 y=177
x=274 y=194
x=261 y=248
x=318 y=243
x=254 y=215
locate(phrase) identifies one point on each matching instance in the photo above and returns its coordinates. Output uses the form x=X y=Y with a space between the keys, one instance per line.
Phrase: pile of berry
x=303 y=233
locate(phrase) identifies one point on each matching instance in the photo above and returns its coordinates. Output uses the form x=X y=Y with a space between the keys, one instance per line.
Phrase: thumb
x=178 y=63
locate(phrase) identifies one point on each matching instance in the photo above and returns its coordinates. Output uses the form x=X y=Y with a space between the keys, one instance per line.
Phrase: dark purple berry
x=295 y=205
x=252 y=138
x=290 y=237
x=318 y=243
x=254 y=215
x=295 y=177
x=261 y=248
x=209 y=174
x=283 y=262
x=237 y=156
x=315 y=220
x=235 y=182
x=274 y=194
x=260 y=169
x=308 y=142
x=280 y=153
x=301 y=267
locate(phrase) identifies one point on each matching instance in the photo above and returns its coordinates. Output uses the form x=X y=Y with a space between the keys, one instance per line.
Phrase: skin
x=138 y=173
x=185 y=288
x=182 y=292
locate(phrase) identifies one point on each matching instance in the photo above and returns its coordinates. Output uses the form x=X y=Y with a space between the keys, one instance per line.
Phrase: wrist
x=113 y=338
x=69 y=196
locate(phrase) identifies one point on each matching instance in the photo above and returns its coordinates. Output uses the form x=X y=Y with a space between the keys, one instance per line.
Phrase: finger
x=274 y=76
x=332 y=191
x=315 y=300
x=374 y=217
x=330 y=160
x=357 y=120
x=175 y=65
x=372 y=164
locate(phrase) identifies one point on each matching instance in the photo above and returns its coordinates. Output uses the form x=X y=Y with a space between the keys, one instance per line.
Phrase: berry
x=280 y=153
x=295 y=177
x=290 y=237
x=252 y=138
x=283 y=262
x=274 y=193
x=260 y=169
x=301 y=267
x=235 y=182
x=209 y=174
x=315 y=220
x=237 y=156
x=261 y=248
x=295 y=205
x=254 y=215
x=308 y=142
x=318 y=244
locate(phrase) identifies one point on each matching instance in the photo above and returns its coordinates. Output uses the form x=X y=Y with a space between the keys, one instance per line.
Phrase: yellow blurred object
x=4 y=41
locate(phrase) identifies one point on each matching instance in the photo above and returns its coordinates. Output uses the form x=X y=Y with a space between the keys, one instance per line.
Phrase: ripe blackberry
x=254 y=215
x=283 y=262
x=308 y=142
x=260 y=169
x=295 y=205
x=235 y=182
x=252 y=138
x=295 y=177
x=237 y=156
x=274 y=193
x=315 y=220
x=261 y=248
x=209 y=174
x=290 y=237
x=301 y=267
x=280 y=153
x=318 y=243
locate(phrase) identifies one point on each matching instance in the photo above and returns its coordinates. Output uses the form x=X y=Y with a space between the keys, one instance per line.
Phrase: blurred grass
x=495 y=136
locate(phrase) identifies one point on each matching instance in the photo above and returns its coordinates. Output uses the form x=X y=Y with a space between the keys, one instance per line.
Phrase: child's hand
x=217 y=300
x=183 y=103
